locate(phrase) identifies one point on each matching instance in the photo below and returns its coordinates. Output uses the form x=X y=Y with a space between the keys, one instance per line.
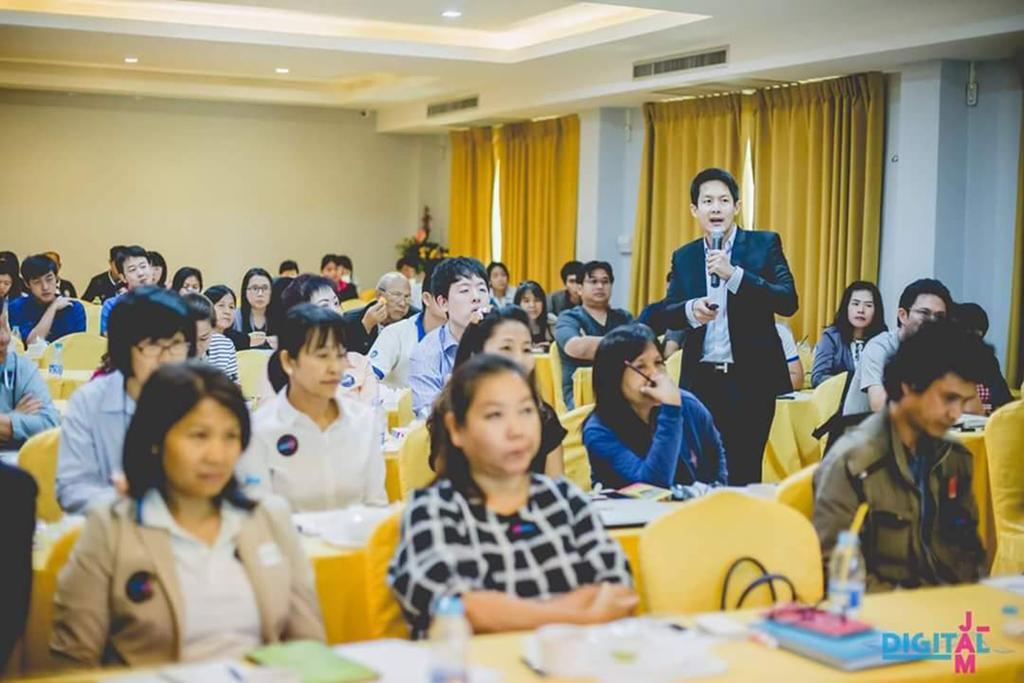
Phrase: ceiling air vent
x=441 y=108
x=683 y=62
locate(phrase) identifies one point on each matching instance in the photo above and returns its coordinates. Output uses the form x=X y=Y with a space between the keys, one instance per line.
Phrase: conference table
x=926 y=611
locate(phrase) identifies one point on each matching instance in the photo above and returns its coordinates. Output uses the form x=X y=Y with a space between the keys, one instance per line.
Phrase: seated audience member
x=579 y=330
x=860 y=318
x=133 y=264
x=922 y=301
x=10 y=279
x=644 y=428
x=498 y=281
x=792 y=354
x=520 y=549
x=530 y=297
x=223 y=299
x=148 y=328
x=993 y=391
x=460 y=289
x=569 y=296
x=251 y=319
x=393 y=303
x=157 y=269
x=505 y=332
x=412 y=270
x=44 y=313
x=64 y=287
x=347 y=288
x=329 y=268
x=18 y=491
x=107 y=284
x=25 y=405
x=211 y=346
x=187 y=280
x=390 y=354
x=312 y=444
x=921 y=527
x=288 y=268
x=185 y=568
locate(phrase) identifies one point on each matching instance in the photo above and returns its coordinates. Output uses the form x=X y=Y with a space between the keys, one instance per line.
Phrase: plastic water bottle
x=449 y=640
x=846 y=575
x=57 y=360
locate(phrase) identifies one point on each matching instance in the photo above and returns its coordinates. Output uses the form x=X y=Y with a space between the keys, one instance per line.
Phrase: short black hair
x=115 y=250
x=148 y=312
x=302 y=288
x=156 y=259
x=171 y=393
x=218 y=292
x=494 y=265
x=37 y=265
x=200 y=308
x=10 y=268
x=428 y=275
x=287 y=264
x=184 y=273
x=345 y=262
x=134 y=251
x=571 y=268
x=590 y=266
x=451 y=270
x=328 y=258
x=711 y=174
x=925 y=285
x=971 y=317
x=473 y=340
x=939 y=347
x=308 y=325
x=408 y=261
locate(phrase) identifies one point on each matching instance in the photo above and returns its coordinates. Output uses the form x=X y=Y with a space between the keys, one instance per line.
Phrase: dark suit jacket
x=357 y=338
x=767 y=289
x=18 y=495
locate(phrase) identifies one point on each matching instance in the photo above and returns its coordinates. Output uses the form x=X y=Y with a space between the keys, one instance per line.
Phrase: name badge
x=269 y=554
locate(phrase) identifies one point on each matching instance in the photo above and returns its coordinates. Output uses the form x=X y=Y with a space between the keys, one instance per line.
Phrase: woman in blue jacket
x=644 y=428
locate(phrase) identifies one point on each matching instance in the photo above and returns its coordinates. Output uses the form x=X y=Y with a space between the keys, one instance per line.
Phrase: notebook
x=847 y=653
x=619 y=512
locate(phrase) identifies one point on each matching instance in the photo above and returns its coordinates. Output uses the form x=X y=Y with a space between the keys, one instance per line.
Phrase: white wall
x=214 y=185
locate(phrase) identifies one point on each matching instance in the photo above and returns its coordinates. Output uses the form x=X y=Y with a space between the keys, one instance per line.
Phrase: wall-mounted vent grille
x=684 y=62
x=441 y=108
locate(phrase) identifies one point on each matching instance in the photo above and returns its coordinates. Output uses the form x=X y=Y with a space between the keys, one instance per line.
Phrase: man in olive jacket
x=921 y=528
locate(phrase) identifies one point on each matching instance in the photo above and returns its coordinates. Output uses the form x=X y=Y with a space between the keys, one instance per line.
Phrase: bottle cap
x=449 y=606
x=1010 y=610
x=847 y=537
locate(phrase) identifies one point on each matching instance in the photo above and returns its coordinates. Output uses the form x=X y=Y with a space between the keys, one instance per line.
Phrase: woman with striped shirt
x=211 y=346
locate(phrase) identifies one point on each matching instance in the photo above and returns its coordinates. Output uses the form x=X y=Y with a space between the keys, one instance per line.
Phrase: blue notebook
x=846 y=653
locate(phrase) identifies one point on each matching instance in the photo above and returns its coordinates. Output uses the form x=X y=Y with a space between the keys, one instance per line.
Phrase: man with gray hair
x=393 y=303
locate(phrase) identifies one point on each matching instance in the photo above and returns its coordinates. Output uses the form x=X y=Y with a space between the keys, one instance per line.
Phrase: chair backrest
x=577 y=463
x=92 y=316
x=403 y=415
x=685 y=555
x=386 y=619
x=556 y=375
x=544 y=378
x=797 y=491
x=351 y=305
x=827 y=395
x=1004 y=444
x=367 y=295
x=38 y=457
x=81 y=351
x=252 y=368
x=674 y=365
x=583 y=386
x=36 y=656
x=414 y=461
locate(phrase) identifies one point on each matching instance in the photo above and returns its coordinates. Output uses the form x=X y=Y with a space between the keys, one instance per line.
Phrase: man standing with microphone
x=725 y=291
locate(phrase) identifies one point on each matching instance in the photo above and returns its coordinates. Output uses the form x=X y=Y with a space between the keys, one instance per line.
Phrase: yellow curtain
x=472 y=187
x=1014 y=349
x=539 y=164
x=680 y=139
x=818 y=159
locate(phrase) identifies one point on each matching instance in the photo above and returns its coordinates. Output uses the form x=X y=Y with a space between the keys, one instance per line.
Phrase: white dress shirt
x=221 y=619
x=717 y=345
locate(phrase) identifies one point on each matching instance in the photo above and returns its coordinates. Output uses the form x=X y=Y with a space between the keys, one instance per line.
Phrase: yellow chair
x=403 y=415
x=252 y=369
x=81 y=351
x=367 y=295
x=583 y=387
x=797 y=491
x=92 y=316
x=386 y=620
x=38 y=457
x=704 y=537
x=543 y=378
x=577 y=463
x=39 y=626
x=414 y=462
x=556 y=374
x=351 y=305
x=826 y=397
x=674 y=365
x=1004 y=443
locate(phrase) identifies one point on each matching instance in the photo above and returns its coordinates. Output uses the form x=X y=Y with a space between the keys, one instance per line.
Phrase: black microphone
x=716 y=245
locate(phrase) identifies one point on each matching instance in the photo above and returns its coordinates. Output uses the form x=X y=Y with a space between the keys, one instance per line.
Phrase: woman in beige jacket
x=185 y=568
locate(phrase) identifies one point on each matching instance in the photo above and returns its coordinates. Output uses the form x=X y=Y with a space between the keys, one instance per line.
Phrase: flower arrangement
x=419 y=247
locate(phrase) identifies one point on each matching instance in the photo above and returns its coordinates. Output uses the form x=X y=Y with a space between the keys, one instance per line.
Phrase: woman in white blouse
x=185 y=568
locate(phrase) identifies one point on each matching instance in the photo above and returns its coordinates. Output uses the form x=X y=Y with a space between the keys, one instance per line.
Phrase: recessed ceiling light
x=281 y=70
x=451 y=14
x=131 y=60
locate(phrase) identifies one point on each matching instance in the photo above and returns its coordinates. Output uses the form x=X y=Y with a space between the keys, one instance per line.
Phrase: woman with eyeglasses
x=148 y=328
x=184 y=568
x=252 y=318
